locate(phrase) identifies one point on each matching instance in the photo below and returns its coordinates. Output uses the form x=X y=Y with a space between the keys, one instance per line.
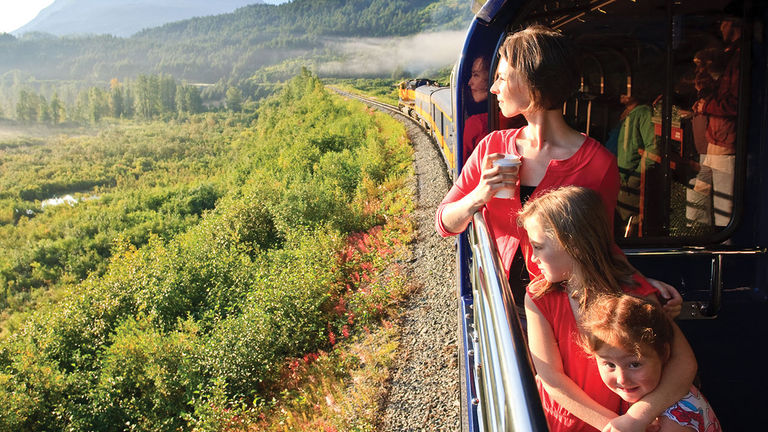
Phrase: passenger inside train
x=711 y=198
x=476 y=125
x=638 y=156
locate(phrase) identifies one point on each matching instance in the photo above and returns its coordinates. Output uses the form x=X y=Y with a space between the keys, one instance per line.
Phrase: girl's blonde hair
x=575 y=218
x=629 y=322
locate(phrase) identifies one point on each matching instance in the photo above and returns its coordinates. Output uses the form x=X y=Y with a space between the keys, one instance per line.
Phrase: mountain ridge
x=122 y=18
x=254 y=48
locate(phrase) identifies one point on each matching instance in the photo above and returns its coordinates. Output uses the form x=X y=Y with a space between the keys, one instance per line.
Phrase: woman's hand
x=455 y=216
x=494 y=178
x=674 y=302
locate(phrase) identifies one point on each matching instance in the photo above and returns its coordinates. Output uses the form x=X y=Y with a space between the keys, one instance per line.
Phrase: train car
x=433 y=108
x=655 y=51
x=406 y=93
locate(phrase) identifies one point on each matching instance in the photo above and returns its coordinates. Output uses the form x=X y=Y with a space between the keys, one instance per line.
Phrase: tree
x=128 y=102
x=167 y=87
x=146 y=96
x=80 y=111
x=26 y=106
x=195 y=102
x=116 y=100
x=234 y=99
x=43 y=110
x=57 y=109
x=98 y=106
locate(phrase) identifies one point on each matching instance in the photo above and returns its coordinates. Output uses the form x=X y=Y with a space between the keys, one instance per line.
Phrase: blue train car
x=685 y=221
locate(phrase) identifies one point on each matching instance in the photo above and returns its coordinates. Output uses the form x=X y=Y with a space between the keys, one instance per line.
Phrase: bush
x=180 y=325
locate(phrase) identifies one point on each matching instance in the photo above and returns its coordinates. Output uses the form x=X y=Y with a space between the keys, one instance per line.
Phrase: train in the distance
x=656 y=52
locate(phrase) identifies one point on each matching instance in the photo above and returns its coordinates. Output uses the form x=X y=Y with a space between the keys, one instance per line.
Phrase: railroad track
x=368 y=101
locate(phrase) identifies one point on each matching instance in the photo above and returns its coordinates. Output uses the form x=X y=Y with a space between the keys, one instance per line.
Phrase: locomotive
x=653 y=52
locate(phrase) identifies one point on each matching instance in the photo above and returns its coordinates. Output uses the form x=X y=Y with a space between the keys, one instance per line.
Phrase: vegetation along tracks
x=424 y=388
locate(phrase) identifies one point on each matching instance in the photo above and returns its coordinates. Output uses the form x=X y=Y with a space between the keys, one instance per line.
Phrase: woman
x=476 y=126
x=536 y=74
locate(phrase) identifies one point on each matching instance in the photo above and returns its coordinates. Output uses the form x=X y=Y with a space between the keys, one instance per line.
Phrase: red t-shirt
x=577 y=365
x=591 y=166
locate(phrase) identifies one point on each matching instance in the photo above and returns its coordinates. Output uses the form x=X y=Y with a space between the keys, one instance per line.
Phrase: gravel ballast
x=424 y=388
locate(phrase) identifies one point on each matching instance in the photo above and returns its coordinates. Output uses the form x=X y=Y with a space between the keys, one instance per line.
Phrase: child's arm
x=676 y=380
x=549 y=368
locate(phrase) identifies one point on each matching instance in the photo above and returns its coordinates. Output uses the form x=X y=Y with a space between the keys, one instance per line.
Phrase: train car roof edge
x=488 y=11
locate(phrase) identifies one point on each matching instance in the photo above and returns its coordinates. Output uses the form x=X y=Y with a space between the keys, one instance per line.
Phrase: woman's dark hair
x=545 y=61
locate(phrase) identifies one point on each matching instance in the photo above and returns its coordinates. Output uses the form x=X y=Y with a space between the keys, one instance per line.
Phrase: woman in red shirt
x=536 y=74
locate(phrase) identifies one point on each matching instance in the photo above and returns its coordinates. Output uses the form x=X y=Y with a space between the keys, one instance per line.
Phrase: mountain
x=252 y=48
x=122 y=17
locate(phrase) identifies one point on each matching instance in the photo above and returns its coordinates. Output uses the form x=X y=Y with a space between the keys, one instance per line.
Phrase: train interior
x=676 y=89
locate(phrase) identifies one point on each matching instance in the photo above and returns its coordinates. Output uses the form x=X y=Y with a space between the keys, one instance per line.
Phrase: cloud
x=382 y=56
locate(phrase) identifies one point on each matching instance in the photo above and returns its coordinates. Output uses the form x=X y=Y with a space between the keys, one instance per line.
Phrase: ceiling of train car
x=613 y=22
x=622 y=15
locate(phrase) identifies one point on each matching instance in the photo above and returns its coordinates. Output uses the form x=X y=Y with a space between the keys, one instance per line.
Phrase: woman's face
x=478 y=83
x=626 y=374
x=512 y=95
x=555 y=263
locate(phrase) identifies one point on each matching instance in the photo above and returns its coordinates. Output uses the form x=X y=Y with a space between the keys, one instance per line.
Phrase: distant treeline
x=146 y=97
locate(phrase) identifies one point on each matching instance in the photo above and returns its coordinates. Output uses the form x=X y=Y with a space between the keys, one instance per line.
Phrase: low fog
x=416 y=54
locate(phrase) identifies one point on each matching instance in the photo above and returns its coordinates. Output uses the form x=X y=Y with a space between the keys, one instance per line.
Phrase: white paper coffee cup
x=508 y=161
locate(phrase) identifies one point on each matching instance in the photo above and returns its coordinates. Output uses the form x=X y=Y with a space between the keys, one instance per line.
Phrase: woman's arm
x=549 y=368
x=455 y=216
x=676 y=380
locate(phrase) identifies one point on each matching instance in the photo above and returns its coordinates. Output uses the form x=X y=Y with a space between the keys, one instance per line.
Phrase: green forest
x=199 y=258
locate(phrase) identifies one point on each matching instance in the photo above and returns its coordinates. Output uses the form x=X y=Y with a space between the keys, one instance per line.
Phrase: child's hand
x=655 y=426
x=674 y=302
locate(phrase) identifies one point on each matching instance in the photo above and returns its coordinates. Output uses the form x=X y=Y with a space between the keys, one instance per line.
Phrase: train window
x=660 y=87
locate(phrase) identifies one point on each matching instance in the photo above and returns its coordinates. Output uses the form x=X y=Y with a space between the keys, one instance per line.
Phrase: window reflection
x=672 y=125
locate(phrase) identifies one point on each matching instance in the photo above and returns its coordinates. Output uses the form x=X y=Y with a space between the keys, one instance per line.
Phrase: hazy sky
x=16 y=13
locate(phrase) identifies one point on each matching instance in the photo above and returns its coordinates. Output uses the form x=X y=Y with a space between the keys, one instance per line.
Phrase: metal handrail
x=504 y=373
